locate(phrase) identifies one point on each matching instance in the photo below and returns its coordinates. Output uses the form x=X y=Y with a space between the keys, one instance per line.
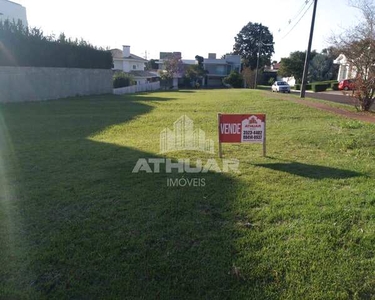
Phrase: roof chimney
x=126 y=51
x=211 y=55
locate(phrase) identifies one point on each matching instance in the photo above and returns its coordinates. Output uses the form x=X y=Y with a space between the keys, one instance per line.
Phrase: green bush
x=330 y=83
x=235 y=79
x=29 y=47
x=333 y=83
x=297 y=87
x=335 y=86
x=319 y=87
x=122 y=79
x=271 y=81
x=308 y=86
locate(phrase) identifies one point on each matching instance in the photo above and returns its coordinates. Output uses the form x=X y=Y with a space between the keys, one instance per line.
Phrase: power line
x=301 y=10
x=290 y=21
x=298 y=21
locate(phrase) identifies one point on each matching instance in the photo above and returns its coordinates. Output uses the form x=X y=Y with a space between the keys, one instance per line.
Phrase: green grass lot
x=76 y=223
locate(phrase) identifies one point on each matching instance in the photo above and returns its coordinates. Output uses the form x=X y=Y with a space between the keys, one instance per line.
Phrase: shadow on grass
x=87 y=227
x=311 y=171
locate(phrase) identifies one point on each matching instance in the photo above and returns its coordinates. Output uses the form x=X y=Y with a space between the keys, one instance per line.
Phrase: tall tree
x=152 y=65
x=293 y=65
x=358 y=45
x=252 y=38
x=172 y=68
x=200 y=60
x=322 y=67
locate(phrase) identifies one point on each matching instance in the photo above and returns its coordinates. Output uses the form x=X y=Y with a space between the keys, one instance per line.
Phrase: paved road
x=361 y=116
x=334 y=96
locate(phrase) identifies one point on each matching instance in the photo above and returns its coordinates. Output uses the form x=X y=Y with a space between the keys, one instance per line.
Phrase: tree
x=235 y=79
x=172 y=68
x=30 y=47
x=322 y=67
x=224 y=55
x=200 y=60
x=358 y=45
x=249 y=77
x=247 y=44
x=293 y=65
x=152 y=65
x=121 y=79
x=193 y=74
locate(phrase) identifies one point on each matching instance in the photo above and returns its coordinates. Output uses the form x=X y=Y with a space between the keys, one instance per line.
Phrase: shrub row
x=320 y=86
x=30 y=48
x=121 y=79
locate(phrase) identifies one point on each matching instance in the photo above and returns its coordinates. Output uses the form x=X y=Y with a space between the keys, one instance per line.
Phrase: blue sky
x=191 y=27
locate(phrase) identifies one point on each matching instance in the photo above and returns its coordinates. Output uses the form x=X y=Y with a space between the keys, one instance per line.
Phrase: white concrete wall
x=141 y=80
x=126 y=66
x=13 y=12
x=290 y=80
x=19 y=84
x=117 y=65
x=154 y=86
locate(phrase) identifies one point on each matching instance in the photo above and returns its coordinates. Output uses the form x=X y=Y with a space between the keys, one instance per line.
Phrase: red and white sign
x=242 y=128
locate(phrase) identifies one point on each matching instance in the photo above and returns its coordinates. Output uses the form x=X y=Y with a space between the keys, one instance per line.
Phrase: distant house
x=13 y=12
x=217 y=69
x=177 y=77
x=346 y=70
x=129 y=63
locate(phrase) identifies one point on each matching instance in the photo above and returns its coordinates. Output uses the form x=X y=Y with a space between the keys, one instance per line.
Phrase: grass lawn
x=76 y=223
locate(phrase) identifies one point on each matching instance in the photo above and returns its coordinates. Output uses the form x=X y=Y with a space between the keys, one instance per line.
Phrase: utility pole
x=260 y=45
x=308 y=53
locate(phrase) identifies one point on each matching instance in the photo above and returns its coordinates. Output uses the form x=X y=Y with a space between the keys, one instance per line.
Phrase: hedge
x=122 y=79
x=30 y=48
x=328 y=84
x=319 y=87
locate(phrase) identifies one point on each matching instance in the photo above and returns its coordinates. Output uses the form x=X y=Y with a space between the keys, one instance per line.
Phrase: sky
x=193 y=27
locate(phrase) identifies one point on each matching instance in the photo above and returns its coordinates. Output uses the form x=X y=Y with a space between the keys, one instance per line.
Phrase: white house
x=346 y=70
x=129 y=63
x=13 y=12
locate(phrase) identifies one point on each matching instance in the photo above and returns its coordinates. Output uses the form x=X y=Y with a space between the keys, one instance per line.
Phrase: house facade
x=218 y=69
x=346 y=70
x=13 y=12
x=132 y=64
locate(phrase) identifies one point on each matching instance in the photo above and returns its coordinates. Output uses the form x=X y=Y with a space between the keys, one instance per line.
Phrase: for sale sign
x=242 y=128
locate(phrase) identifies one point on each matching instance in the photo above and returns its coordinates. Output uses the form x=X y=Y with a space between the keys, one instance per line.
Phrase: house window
x=134 y=67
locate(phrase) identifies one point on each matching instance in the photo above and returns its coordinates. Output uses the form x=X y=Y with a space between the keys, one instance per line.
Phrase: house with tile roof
x=130 y=63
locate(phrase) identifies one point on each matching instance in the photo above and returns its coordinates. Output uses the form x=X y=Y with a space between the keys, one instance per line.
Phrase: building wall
x=13 y=12
x=117 y=65
x=153 y=86
x=18 y=84
x=346 y=72
x=127 y=65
